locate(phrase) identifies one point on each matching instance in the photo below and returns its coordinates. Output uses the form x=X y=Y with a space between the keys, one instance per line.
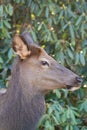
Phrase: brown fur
x=23 y=104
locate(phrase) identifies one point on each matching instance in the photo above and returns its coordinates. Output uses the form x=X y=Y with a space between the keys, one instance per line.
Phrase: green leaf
x=1 y=10
x=7 y=24
x=39 y=27
x=70 y=53
x=39 y=12
x=64 y=27
x=29 y=2
x=58 y=94
x=57 y=115
x=71 y=13
x=42 y=120
x=1 y=24
x=49 y=126
x=5 y=32
x=54 y=37
x=55 y=120
x=50 y=110
x=82 y=31
x=73 y=117
x=67 y=127
x=10 y=53
x=82 y=59
x=34 y=35
x=71 y=128
x=63 y=117
x=10 y=9
x=71 y=29
x=76 y=128
x=1 y=60
x=60 y=15
x=65 y=91
x=86 y=17
x=47 y=12
x=78 y=20
x=77 y=58
x=83 y=106
x=23 y=1
x=18 y=1
x=62 y=57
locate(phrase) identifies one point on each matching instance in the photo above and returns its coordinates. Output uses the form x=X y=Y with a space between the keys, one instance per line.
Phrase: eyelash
x=45 y=63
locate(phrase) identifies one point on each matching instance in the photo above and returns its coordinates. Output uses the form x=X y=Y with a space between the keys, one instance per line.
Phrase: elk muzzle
x=77 y=84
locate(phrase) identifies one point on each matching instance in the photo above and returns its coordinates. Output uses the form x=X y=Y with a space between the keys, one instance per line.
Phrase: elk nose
x=79 y=80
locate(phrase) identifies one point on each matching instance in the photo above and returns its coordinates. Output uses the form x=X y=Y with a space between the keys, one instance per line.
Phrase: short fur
x=23 y=104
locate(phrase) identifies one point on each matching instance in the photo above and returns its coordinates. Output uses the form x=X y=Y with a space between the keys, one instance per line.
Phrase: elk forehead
x=45 y=59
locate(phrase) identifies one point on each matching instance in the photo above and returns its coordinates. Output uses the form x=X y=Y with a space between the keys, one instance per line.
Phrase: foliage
x=60 y=27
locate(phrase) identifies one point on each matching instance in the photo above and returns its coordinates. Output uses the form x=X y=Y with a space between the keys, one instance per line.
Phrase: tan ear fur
x=35 y=49
x=20 y=47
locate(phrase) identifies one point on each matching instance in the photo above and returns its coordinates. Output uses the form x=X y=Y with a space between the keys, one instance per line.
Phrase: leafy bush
x=60 y=27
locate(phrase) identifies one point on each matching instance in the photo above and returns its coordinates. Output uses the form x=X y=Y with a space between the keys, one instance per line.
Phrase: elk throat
x=22 y=109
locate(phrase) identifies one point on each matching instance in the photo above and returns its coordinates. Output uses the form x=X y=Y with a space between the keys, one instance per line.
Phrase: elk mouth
x=75 y=85
x=69 y=86
x=72 y=88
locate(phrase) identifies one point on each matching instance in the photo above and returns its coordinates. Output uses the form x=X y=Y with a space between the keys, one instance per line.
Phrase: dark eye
x=44 y=63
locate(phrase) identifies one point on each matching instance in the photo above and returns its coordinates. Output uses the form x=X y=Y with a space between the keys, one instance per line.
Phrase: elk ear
x=20 y=47
x=35 y=49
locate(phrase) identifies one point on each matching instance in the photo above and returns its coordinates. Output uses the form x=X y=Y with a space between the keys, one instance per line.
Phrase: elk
x=34 y=74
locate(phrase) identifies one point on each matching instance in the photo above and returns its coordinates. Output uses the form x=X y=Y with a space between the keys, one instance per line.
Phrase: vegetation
x=61 y=28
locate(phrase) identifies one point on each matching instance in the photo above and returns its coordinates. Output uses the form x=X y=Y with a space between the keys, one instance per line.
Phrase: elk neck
x=26 y=105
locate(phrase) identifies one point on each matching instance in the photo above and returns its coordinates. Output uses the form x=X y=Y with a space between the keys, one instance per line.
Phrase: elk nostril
x=79 y=79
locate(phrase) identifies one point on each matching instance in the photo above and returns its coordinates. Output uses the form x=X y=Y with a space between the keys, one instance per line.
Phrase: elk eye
x=45 y=63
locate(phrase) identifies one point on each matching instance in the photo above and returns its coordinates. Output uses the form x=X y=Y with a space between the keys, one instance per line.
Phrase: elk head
x=39 y=69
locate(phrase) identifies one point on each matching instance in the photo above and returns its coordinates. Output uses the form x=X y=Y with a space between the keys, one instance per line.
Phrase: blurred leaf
x=55 y=120
x=17 y=1
x=42 y=120
x=78 y=20
x=82 y=31
x=60 y=15
x=39 y=27
x=67 y=127
x=71 y=13
x=77 y=58
x=6 y=23
x=1 y=10
x=64 y=27
x=83 y=106
x=47 y=12
x=10 y=9
x=57 y=92
x=1 y=60
x=71 y=29
x=82 y=59
x=1 y=24
x=34 y=36
x=71 y=128
x=70 y=53
x=48 y=126
x=10 y=53
x=75 y=128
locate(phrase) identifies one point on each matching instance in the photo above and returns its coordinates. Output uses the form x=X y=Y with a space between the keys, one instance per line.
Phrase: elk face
x=57 y=76
x=40 y=70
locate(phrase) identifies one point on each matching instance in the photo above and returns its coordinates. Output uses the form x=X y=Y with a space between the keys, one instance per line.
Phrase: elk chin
x=71 y=88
